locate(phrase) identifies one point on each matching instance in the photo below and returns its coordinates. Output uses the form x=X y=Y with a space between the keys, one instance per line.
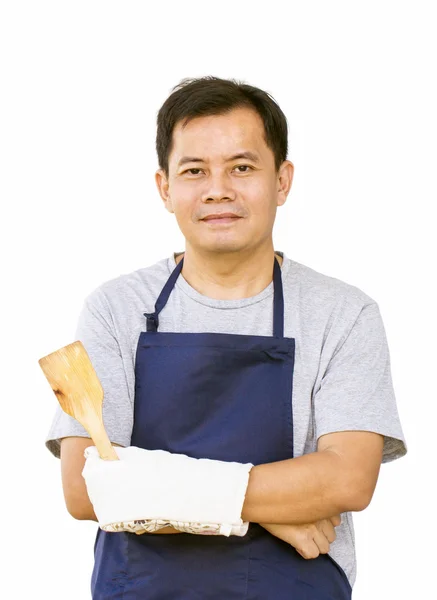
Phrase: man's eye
x=237 y=167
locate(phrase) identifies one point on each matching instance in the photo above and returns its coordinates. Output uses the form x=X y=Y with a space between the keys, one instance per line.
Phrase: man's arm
x=75 y=493
x=341 y=476
x=73 y=484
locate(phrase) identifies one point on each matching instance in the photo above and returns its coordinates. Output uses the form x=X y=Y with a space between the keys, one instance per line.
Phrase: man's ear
x=163 y=185
x=285 y=180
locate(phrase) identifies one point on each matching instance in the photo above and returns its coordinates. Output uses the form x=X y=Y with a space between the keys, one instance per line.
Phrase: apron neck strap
x=278 y=300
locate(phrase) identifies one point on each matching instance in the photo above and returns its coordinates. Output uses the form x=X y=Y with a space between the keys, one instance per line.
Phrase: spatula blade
x=79 y=392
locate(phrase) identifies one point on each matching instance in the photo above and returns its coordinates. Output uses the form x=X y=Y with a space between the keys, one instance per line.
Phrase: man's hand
x=309 y=540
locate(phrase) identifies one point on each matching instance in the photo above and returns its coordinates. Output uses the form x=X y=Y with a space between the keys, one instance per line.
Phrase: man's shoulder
x=316 y=289
x=137 y=285
x=327 y=306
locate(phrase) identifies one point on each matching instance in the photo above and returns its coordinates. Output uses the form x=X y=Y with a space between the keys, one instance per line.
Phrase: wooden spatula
x=79 y=392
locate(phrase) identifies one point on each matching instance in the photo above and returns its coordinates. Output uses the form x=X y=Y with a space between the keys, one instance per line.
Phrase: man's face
x=217 y=182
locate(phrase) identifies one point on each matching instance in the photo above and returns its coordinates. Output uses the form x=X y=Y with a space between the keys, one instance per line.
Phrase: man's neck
x=228 y=278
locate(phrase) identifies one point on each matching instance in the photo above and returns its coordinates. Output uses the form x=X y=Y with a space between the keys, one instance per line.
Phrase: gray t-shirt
x=342 y=377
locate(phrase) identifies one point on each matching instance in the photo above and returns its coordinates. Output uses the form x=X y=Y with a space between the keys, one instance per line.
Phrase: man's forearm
x=302 y=490
x=87 y=514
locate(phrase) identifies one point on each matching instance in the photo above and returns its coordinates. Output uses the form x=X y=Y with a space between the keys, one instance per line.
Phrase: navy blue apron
x=225 y=397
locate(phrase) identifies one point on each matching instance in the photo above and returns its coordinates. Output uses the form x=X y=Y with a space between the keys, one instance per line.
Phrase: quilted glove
x=149 y=489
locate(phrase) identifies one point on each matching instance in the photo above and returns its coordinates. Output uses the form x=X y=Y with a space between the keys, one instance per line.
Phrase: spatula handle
x=98 y=434
x=105 y=448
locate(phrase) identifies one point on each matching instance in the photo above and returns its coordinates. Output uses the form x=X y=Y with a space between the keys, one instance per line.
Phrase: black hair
x=209 y=95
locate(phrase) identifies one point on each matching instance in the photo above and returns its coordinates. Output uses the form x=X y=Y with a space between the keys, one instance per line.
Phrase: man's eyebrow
x=193 y=159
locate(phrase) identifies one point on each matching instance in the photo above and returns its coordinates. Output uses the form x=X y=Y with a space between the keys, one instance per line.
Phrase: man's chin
x=223 y=248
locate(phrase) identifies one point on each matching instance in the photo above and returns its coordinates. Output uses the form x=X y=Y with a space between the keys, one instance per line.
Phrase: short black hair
x=209 y=95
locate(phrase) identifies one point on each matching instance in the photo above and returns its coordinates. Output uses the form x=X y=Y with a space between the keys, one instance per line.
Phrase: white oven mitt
x=149 y=489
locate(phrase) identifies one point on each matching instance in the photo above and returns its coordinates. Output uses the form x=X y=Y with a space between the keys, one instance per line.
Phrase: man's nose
x=218 y=188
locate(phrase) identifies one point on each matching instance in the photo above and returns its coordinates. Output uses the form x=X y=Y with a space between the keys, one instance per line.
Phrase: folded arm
x=341 y=476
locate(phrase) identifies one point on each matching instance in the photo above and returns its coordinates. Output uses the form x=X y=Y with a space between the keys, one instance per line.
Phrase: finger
x=309 y=549
x=327 y=528
x=321 y=541
x=336 y=520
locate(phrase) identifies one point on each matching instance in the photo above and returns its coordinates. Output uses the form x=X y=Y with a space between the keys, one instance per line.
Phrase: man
x=233 y=352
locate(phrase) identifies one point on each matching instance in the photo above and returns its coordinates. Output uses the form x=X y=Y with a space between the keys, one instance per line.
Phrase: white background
x=81 y=85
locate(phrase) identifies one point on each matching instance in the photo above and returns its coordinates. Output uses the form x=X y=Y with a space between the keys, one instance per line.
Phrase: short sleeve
x=96 y=332
x=356 y=391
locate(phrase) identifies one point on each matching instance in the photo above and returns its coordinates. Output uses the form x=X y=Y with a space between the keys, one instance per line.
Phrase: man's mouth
x=221 y=218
